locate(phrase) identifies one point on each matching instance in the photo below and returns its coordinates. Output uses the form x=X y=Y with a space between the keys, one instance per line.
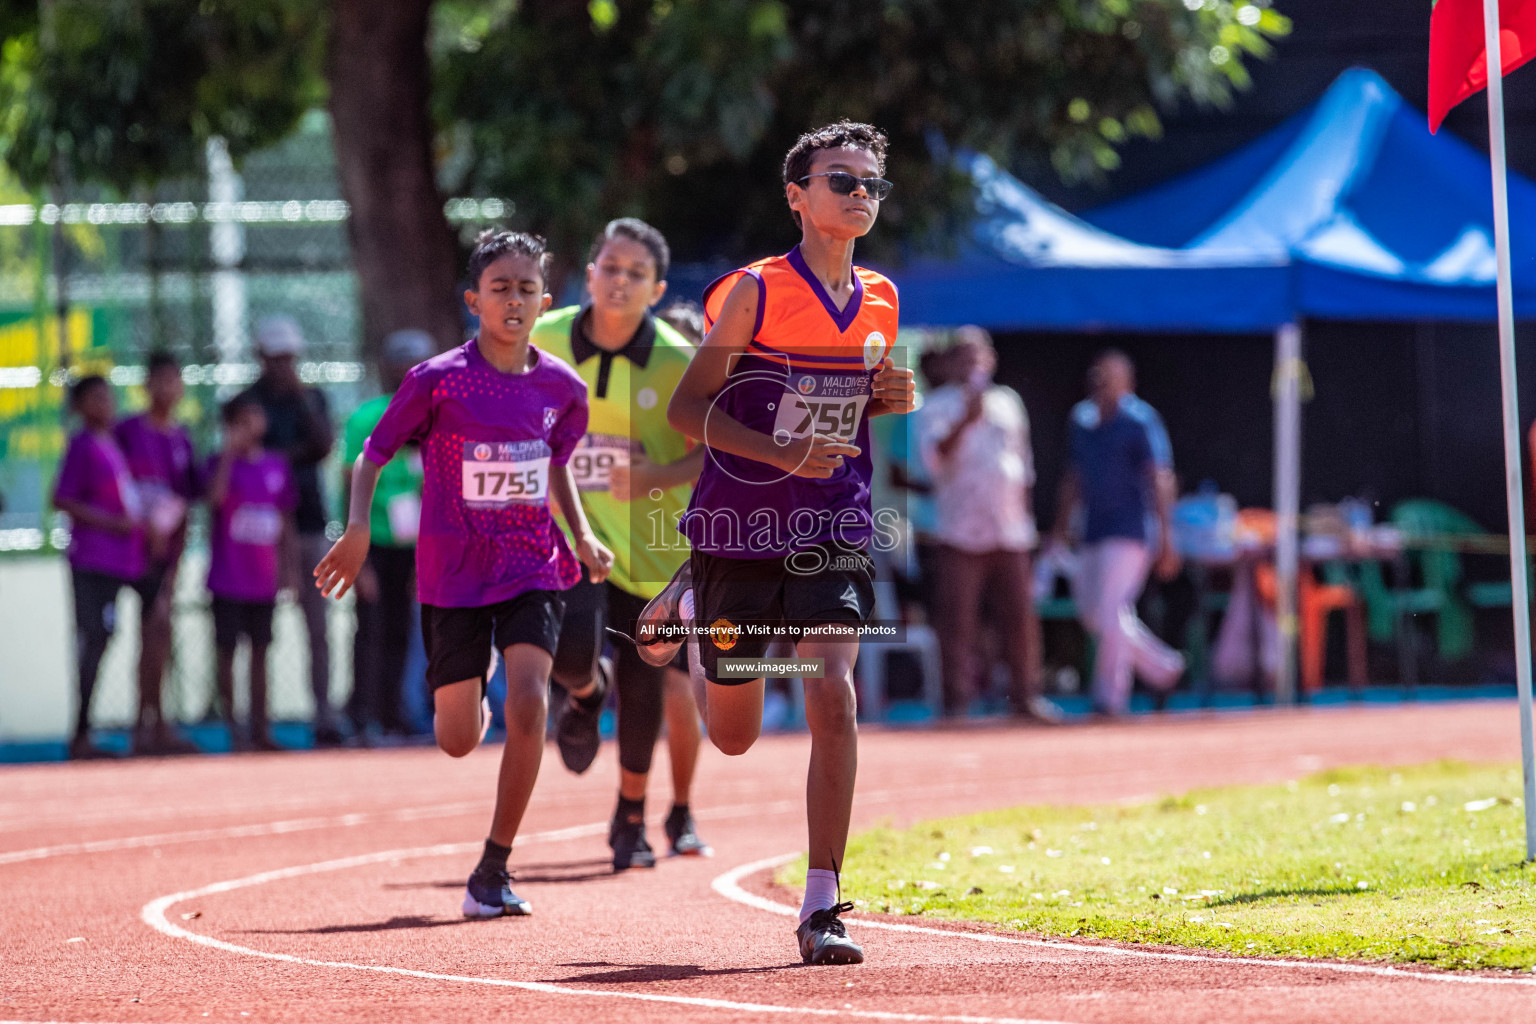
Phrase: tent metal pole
x=1287 y=400
x=1512 y=476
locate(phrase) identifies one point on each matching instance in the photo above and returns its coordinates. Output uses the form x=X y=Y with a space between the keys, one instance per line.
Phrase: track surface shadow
x=626 y=974
x=393 y=924
x=558 y=871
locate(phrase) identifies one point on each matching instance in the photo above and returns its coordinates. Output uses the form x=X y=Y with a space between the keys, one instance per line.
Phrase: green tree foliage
x=680 y=110
x=127 y=92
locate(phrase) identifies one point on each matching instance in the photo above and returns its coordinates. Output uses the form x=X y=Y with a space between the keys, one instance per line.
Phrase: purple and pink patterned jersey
x=96 y=473
x=164 y=467
x=246 y=529
x=489 y=441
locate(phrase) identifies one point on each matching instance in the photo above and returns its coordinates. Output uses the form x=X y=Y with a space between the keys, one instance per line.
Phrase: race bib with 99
x=831 y=404
x=595 y=458
x=256 y=524
x=499 y=474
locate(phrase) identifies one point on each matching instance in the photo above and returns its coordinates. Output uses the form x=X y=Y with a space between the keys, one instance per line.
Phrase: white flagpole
x=1512 y=475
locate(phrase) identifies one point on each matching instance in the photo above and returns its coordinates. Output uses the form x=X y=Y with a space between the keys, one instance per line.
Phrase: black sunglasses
x=843 y=183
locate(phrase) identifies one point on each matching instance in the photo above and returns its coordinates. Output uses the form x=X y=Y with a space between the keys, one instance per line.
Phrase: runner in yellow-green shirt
x=386 y=588
x=635 y=475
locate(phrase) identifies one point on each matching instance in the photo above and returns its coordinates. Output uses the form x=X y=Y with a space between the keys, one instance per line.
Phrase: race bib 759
x=498 y=474
x=816 y=403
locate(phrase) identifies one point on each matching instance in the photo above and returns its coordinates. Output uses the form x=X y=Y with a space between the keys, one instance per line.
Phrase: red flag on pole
x=1458 y=61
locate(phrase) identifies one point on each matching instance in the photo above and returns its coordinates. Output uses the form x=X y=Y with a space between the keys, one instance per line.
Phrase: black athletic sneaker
x=489 y=894
x=630 y=848
x=577 y=731
x=665 y=609
x=683 y=836
x=824 y=940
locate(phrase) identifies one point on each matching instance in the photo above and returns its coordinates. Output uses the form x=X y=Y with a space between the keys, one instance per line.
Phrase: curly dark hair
x=853 y=134
x=83 y=387
x=159 y=360
x=494 y=243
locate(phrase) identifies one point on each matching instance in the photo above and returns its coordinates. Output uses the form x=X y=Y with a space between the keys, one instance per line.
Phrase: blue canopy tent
x=1351 y=210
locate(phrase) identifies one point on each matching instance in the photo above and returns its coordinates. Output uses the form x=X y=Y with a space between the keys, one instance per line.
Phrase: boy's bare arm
x=339 y=568
x=597 y=558
x=692 y=410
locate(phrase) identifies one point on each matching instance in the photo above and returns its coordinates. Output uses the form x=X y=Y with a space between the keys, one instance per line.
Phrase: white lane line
x=729 y=886
x=154 y=915
x=270 y=828
x=407 y=814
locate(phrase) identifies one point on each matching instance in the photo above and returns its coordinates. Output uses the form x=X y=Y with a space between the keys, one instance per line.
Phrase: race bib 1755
x=498 y=474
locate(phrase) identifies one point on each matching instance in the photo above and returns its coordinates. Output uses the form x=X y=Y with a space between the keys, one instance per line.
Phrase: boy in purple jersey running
x=497 y=421
x=160 y=457
x=252 y=496
x=106 y=539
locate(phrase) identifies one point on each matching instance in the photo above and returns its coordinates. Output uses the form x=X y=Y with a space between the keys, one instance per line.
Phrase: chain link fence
x=91 y=283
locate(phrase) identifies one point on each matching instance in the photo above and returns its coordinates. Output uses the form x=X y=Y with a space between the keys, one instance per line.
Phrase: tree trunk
x=402 y=246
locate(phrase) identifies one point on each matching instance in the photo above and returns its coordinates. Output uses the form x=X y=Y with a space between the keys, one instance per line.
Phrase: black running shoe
x=577 y=731
x=665 y=609
x=630 y=848
x=684 y=837
x=489 y=894
x=824 y=940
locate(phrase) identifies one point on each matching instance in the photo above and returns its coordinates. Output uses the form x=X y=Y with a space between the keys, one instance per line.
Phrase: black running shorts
x=233 y=619
x=459 y=641
x=822 y=586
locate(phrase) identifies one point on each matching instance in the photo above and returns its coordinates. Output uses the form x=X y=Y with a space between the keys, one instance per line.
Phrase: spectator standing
x=252 y=496
x=386 y=587
x=908 y=474
x=299 y=429
x=1120 y=471
x=106 y=540
x=975 y=444
x=163 y=465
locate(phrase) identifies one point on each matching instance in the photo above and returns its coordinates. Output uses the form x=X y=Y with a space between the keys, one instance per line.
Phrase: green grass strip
x=1412 y=865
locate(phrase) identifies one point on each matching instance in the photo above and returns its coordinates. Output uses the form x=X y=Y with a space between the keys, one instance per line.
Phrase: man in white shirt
x=974 y=438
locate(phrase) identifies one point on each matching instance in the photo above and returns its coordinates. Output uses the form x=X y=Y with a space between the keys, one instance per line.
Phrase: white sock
x=686 y=605
x=820 y=892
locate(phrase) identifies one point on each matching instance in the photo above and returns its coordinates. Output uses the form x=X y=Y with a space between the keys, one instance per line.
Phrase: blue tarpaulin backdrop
x=1351 y=210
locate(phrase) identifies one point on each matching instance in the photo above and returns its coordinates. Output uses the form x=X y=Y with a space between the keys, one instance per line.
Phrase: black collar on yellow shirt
x=637 y=350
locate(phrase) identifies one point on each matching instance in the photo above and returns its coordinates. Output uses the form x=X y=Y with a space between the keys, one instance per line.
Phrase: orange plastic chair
x=1314 y=602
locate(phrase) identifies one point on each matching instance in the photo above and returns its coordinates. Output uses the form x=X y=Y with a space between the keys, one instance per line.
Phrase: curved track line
x=154 y=914
x=729 y=886
x=239 y=832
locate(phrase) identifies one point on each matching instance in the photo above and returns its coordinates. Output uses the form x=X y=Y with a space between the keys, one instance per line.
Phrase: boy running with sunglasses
x=497 y=421
x=796 y=361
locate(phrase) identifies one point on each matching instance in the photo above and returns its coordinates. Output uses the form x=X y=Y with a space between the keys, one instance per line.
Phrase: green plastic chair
x=1442 y=594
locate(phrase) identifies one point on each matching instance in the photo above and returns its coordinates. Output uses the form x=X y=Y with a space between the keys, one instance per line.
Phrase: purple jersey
x=163 y=466
x=246 y=529
x=489 y=441
x=96 y=473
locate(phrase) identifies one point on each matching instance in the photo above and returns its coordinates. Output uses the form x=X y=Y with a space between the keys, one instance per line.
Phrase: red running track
x=325 y=887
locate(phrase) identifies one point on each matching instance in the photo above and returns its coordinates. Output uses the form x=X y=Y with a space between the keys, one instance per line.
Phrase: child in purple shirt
x=497 y=420
x=161 y=460
x=106 y=541
x=251 y=497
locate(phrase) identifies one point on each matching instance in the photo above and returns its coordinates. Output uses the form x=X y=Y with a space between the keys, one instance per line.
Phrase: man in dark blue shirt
x=1120 y=472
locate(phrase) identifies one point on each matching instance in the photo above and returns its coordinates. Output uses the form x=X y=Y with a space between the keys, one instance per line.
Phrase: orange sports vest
x=808 y=368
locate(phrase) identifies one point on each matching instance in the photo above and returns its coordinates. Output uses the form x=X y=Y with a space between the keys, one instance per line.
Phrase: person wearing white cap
x=386 y=588
x=299 y=428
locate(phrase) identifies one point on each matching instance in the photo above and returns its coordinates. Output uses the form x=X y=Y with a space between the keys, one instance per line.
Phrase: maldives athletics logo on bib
x=874 y=350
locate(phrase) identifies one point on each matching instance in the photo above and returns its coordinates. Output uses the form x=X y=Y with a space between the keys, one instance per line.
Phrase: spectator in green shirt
x=386 y=588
